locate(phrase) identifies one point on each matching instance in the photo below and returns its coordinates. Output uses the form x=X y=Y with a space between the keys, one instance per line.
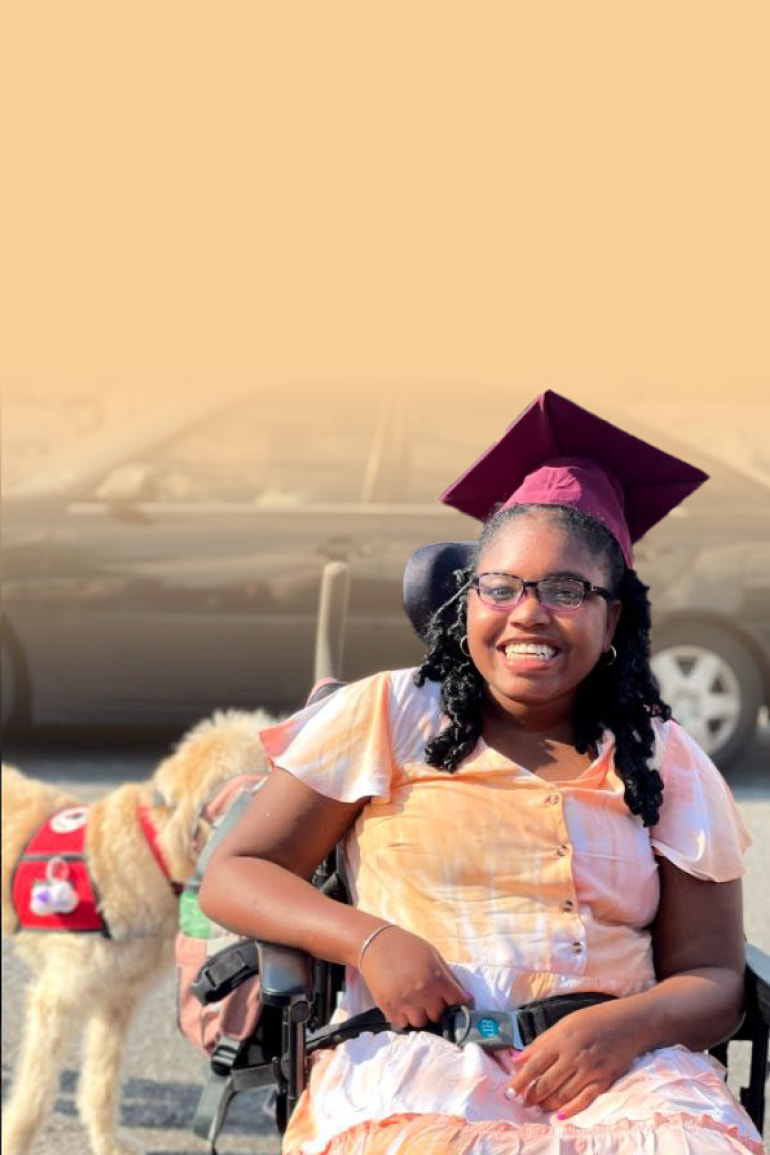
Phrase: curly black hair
x=622 y=698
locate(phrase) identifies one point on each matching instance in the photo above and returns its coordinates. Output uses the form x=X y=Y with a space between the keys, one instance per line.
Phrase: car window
x=445 y=436
x=447 y=433
x=282 y=449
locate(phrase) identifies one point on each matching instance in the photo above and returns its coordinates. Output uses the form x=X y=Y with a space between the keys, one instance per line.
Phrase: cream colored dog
x=107 y=976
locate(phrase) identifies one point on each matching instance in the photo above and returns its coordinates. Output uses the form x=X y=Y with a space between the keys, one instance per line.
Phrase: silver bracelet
x=370 y=939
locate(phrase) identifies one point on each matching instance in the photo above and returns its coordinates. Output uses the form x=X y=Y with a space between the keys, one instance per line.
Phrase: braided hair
x=623 y=699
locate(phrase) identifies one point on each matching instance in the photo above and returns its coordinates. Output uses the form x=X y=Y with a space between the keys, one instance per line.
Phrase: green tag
x=192 y=921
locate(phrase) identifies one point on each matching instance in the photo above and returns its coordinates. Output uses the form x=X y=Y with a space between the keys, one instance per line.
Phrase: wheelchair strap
x=536 y=1017
x=491 y=1030
x=218 y=1092
x=224 y=971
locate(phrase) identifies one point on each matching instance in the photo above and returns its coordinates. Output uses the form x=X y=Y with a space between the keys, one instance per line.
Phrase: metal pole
x=332 y=610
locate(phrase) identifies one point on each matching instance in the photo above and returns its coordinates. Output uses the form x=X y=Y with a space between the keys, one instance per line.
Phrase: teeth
x=537 y=651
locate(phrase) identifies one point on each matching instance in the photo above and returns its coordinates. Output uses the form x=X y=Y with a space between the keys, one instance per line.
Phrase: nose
x=528 y=608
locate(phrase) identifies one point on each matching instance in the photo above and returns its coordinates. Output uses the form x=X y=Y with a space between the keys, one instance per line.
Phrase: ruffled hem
x=372 y=1079
x=410 y=1134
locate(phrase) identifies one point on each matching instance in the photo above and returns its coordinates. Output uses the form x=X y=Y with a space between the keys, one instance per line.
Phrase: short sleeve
x=700 y=829
x=340 y=746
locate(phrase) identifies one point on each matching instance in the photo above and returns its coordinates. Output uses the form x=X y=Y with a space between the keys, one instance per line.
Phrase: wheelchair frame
x=298 y=992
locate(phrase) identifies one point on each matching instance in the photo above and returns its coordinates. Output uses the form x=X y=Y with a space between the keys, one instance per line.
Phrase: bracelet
x=370 y=939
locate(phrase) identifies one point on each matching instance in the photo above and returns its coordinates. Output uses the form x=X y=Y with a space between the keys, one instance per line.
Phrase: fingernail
x=519 y=1056
x=561 y=1114
x=510 y=1093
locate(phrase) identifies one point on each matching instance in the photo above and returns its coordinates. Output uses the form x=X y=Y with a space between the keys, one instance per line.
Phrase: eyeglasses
x=503 y=591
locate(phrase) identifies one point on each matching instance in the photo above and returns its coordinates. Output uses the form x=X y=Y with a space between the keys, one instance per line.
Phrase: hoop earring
x=610 y=657
x=464 y=642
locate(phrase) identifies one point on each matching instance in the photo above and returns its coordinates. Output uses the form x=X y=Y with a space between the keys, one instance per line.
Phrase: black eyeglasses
x=503 y=591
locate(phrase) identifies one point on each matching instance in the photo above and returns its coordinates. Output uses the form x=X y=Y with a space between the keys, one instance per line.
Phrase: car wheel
x=712 y=684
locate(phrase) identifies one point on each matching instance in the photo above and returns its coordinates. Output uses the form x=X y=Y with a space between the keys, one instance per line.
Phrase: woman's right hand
x=408 y=979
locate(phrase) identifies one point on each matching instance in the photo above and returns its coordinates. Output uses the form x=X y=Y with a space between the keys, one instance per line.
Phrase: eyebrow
x=570 y=574
x=548 y=576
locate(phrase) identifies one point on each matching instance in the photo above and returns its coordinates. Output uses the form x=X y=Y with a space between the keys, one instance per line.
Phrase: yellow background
x=568 y=195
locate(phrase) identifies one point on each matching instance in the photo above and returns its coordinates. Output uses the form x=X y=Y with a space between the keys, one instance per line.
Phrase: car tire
x=712 y=684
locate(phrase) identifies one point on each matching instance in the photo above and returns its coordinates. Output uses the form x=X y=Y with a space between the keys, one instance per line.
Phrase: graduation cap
x=557 y=453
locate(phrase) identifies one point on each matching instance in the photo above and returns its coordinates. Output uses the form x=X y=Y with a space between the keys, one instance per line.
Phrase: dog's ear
x=218 y=748
x=175 y=802
x=176 y=840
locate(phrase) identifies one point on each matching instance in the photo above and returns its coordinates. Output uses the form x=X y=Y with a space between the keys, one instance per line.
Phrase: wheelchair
x=298 y=993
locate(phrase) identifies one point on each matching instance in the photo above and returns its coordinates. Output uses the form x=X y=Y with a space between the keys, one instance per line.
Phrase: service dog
x=140 y=843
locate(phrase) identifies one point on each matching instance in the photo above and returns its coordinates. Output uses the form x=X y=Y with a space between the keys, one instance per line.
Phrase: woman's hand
x=577 y=1059
x=408 y=979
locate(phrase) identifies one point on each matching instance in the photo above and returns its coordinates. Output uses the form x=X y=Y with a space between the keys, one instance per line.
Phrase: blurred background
x=272 y=277
x=166 y=558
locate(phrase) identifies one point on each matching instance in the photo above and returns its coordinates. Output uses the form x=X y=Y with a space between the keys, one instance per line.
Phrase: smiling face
x=533 y=658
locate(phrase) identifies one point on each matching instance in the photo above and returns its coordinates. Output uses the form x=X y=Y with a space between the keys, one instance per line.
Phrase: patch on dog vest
x=52 y=889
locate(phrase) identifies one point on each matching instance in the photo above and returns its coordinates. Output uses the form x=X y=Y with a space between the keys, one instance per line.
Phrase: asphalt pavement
x=162 y=1073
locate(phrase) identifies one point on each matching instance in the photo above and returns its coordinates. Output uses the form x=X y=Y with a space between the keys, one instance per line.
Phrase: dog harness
x=151 y=834
x=52 y=888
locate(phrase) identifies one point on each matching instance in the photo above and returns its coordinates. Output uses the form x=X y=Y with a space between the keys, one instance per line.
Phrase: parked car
x=173 y=565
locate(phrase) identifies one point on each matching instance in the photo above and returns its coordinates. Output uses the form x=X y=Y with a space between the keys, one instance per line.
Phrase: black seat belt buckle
x=490 y=1030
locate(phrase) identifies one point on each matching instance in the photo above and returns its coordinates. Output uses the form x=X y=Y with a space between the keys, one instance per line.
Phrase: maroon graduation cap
x=557 y=453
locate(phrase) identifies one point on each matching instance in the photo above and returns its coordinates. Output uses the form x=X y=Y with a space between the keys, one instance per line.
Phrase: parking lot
x=162 y=1073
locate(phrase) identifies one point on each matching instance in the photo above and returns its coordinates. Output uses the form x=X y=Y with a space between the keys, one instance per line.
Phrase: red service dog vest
x=52 y=889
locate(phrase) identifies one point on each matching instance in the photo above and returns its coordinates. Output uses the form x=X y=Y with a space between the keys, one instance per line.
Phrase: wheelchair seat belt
x=491 y=1030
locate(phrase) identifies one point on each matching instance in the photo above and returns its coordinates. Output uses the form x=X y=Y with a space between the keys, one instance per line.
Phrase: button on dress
x=528 y=888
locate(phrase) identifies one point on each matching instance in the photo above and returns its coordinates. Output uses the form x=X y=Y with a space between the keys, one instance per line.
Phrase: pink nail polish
x=561 y=1114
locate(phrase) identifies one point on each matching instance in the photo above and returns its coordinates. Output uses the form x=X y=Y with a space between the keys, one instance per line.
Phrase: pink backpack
x=217 y=977
x=218 y=1006
x=202 y=1018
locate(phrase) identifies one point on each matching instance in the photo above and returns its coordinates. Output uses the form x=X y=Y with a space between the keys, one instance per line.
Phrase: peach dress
x=528 y=888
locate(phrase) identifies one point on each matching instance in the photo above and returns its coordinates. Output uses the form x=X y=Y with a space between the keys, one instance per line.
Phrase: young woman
x=522 y=819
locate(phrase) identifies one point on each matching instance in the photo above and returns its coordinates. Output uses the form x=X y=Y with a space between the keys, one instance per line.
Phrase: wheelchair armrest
x=285 y=974
x=758 y=980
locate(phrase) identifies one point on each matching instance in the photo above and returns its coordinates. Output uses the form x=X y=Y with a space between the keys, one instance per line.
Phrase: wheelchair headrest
x=428 y=579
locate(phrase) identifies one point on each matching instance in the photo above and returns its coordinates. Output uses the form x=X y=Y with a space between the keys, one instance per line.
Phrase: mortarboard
x=557 y=453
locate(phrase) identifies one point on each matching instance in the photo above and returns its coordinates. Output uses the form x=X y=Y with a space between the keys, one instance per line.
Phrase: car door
x=204 y=591
x=437 y=434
